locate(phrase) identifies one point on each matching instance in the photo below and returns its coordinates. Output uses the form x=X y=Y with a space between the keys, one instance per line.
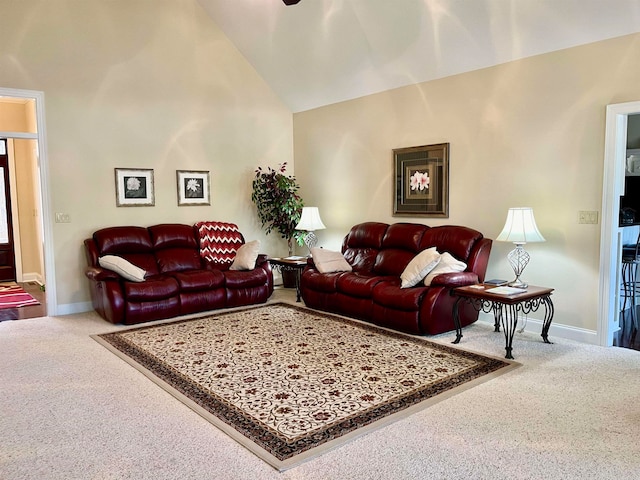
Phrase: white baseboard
x=533 y=325
x=32 y=277
x=555 y=330
x=71 y=308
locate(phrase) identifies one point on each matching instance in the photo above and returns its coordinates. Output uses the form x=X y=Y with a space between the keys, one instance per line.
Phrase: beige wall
x=28 y=209
x=144 y=84
x=13 y=117
x=526 y=133
x=155 y=84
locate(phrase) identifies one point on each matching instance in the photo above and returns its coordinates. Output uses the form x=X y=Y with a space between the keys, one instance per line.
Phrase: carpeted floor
x=289 y=383
x=71 y=409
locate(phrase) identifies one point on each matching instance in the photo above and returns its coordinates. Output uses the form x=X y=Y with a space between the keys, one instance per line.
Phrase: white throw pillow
x=419 y=266
x=327 y=261
x=246 y=256
x=447 y=264
x=122 y=267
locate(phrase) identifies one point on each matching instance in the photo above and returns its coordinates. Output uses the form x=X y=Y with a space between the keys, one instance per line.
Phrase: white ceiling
x=320 y=52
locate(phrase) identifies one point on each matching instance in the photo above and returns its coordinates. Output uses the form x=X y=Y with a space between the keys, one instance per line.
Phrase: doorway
x=611 y=237
x=7 y=251
x=33 y=135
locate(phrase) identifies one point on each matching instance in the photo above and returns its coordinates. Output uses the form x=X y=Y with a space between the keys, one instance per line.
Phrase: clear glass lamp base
x=310 y=240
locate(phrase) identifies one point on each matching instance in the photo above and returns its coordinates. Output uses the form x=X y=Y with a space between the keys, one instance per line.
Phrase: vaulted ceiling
x=319 y=52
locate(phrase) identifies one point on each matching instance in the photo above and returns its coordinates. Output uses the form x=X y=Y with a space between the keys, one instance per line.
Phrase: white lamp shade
x=520 y=227
x=310 y=220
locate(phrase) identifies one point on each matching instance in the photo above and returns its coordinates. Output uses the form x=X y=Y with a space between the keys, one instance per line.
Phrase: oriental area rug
x=289 y=383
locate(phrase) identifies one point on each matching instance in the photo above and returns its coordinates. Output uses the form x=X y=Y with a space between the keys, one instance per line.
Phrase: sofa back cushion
x=383 y=249
x=175 y=246
x=219 y=242
x=400 y=244
x=458 y=241
x=361 y=245
x=131 y=243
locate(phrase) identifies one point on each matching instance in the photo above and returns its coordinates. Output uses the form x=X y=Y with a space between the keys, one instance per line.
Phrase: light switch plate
x=63 y=218
x=589 y=217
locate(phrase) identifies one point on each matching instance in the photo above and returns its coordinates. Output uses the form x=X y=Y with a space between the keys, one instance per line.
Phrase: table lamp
x=310 y=221
x=520 y=228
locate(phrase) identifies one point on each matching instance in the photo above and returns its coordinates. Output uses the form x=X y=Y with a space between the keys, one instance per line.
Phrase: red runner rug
x=13 y=296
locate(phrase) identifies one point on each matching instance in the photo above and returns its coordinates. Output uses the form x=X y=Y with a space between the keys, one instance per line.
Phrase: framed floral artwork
x=134 y=187
x=421 y=184
x=193 y=187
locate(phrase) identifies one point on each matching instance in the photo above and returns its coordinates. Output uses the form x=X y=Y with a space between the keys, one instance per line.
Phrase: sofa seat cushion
x=245 y=278
x=152 y=289
x=198 y=280
x=389 y=294
x=358 y=285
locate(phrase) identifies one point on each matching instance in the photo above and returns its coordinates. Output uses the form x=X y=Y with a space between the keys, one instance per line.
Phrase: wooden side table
x=505 y=308
x=296 y=265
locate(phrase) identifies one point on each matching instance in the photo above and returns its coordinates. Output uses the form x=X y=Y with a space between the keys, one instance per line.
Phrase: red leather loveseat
x=182 y=274
x=378 y=254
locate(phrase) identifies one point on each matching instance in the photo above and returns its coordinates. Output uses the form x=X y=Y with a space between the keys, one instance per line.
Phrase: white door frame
x=45 y=208
x=15 y=223
x=615 y=146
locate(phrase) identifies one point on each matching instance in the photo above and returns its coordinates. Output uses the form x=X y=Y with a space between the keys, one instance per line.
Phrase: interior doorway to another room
x=629 y=223
x=7 y=249
x=22 y=131
x=613 y=237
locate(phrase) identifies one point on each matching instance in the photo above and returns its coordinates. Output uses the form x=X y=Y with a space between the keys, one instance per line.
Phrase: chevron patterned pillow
x=219 y=242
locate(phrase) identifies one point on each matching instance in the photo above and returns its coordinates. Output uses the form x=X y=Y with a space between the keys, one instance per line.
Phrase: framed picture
x=134 y=187
x=193 y=187
x=421 y=181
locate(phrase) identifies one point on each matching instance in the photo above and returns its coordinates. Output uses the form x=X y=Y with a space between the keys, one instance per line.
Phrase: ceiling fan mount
x=290 y=2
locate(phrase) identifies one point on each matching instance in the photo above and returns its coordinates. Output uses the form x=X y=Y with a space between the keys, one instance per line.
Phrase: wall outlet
x=63 y=218
x=588 y=217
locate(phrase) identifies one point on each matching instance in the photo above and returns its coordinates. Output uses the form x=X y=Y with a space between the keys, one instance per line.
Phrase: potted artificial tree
x=279 y=205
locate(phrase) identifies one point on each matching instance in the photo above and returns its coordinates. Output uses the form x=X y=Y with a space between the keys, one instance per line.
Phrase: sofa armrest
x=262 y=259
x=453 y=280
x=101 y=274
x=263 y=262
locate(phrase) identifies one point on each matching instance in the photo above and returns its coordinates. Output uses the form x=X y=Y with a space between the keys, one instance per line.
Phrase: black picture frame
x=421 y=184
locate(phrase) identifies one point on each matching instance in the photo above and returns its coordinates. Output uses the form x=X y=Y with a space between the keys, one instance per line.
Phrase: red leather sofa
x=378 y=254
x=178 y=279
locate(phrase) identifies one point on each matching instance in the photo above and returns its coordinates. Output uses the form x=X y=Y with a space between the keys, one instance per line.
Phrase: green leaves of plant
x=276 y=198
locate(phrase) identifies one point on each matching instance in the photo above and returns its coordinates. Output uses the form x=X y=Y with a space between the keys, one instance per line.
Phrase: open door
x=7 y=252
